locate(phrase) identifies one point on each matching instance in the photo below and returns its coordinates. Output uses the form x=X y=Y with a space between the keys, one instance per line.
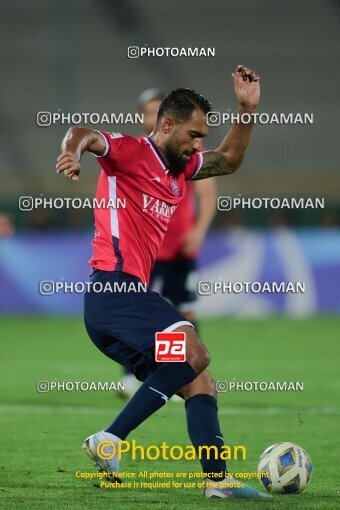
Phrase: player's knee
x=205 y=359
x=200 y=359
x=197 y=354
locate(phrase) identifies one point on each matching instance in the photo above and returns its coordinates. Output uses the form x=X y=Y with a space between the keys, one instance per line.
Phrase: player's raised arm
x=227 y=158
x=78 y=140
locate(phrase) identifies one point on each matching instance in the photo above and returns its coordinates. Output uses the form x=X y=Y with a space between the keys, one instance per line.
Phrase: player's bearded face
x=177 y=153
x=185 y=140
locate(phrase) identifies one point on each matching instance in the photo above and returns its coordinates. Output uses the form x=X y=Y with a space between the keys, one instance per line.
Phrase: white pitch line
x=173 y=408
x=55 y=410
x=272 y=411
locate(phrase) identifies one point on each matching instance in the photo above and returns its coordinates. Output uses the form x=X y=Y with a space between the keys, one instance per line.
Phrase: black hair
x=181 y=103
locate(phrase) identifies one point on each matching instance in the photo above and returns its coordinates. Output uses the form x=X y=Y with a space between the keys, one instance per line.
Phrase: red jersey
x=135 y=174
x=181 y=222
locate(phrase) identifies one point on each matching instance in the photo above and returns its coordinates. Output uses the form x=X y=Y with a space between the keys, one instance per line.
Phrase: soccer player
x=174 y=275
x=150 y=173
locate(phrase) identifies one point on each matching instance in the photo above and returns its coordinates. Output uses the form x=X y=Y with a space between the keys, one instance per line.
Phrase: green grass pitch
x=42 y=433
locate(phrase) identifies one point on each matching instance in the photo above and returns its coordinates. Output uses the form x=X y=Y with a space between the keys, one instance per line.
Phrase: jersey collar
x=157 y=153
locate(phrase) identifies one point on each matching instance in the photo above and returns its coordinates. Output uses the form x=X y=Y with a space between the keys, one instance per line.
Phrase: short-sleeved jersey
x=181 y=222
x=135 y=177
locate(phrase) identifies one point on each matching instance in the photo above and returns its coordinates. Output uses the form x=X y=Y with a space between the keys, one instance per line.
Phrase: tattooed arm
x=227 y=158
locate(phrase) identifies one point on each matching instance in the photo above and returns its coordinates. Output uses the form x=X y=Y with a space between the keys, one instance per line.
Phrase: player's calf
x=204 y=384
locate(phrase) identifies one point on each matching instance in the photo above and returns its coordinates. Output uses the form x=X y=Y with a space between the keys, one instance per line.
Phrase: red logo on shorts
x=170 y=346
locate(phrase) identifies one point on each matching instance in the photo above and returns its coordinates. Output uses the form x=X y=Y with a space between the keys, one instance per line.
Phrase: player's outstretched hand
x=246 y=87
x=192 y=242
x=68 y=163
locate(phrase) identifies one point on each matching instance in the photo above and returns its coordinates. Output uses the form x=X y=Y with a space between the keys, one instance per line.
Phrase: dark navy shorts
x=123 y=324
x=176 y=280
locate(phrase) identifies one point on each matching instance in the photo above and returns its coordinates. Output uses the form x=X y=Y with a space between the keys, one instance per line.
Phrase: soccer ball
x=286 y=468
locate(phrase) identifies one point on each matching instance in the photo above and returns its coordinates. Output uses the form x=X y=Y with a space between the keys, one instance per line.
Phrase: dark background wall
x=71 y=55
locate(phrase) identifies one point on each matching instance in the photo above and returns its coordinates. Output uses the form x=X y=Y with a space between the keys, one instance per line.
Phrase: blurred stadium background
x=71 y=57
